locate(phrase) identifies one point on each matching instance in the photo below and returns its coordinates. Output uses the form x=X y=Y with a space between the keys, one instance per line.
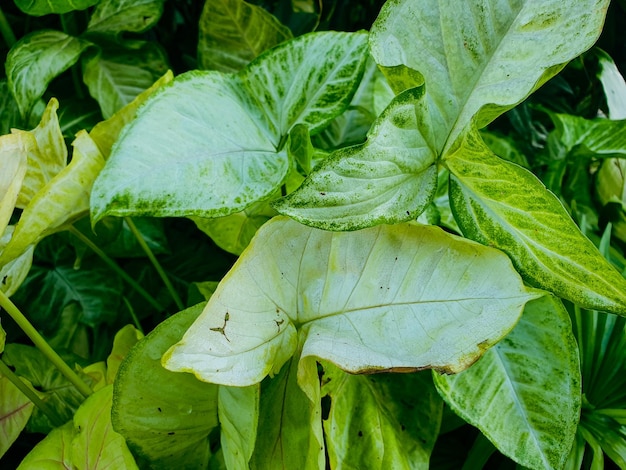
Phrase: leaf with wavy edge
x=401 y=297
x=64 y=199
x=233 y=32
x=15 y=271
x=503 y=205
x=391 y=178
x=524 y=394
x=13 y=161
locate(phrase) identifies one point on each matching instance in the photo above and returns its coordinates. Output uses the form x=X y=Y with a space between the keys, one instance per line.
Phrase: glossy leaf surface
x=503 y=205
x=398 y=297
x=53 y=452
x=14 y=161
x=524 y=394
x=15 y=410
x=115 y=16
x=46 y=7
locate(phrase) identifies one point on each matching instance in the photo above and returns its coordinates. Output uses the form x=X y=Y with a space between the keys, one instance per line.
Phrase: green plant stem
x=42 y=345
x=114 y=266
x=155 y=263
x=133 y=315
x=6 y=31
x=30 y=394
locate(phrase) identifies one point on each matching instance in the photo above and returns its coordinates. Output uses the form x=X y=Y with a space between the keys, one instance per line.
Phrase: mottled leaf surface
x=13 y=159
x=36 y=59
x=481 y=58
x=115 y=16
x=386 y=298
x=210 y=144
x=381 y=421
x=46 y=7
x=390 y=178
x=503 y=205
x=233 y=32
x=165 y=417
x=524 y=394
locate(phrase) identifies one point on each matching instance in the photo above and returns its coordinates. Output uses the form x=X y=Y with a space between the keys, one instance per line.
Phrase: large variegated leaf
x=524 y=394
x=233 y=32
x=13 y=161
x=481 y=58
x=64 y=199
x=115 y=16
x=211 y=144
x=400 y=297
x=503 y=205
x=35 y=60
x=46 y=7
x=238 y=411
x=381 y=421
x=390 y=178
x=15 y=271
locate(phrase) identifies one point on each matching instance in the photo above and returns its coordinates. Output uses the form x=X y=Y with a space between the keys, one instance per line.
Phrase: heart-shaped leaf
x=401 y=297
x=221 y=150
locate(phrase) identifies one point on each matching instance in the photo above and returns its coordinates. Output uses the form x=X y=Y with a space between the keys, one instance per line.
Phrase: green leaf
x=35 y=60
x=238 y=410
x=124 y=340
x=381 y=421
x=391 y=178
x=233 y=232
x=613 y=83
x=64 y=199
x=46 y=158
x=481 y=58
x=115 y=16
x=14 y=272
x=609 y=434
x=524 y=394
x=53 y=452
x=505 y=206
x=222 y=136
x=96 y=445
x=9 y=112
x=117 y=74
x=46 y=7
x=290 y=420
x=3 y=337
x=233 y=32
x=13 y=160
x=166 y=418
x=15 y=409
x=357 y=296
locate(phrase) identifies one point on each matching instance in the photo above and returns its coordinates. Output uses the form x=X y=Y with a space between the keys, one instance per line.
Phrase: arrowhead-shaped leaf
x=211 y=143
x=36 y=59
x=505 y=206
x=524 y=394
x=233 y=32
x=390 y=178
x=481 y=58
x=400 y=297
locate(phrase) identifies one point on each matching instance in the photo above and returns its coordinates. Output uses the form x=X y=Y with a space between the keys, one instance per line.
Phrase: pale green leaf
x=13 y=273
x=116 y=75
x=505 y=206
x=124 y=340
x=96 y=445
x=238 y=410
x=35 y=60
x=46 y=158
x=483 y=57
x=400 y=297
x=233 y=232
x=290 y=420
x=614 y=85
x=209 y=146
x=53 y=452
x=233 y=32
x=3 y=337
x=64 y=199
x=15 y=410
x=9 y=112
x=105 y=133
x=524 y=394
x=390 y=178
x=115 y=16
x=13 y=161
x=381 y=421
x=46 y=7
x=165 y=417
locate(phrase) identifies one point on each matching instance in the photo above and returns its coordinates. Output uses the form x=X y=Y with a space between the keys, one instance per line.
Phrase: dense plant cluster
x=313 y=234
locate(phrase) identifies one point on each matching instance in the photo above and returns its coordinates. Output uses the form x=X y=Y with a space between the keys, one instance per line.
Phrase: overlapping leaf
x=211 y=144
x=55 y=448
x=524 y=394
x=36 y=59
x=398 y=297
x=503 y=205
x=46 y=7
x=115 y=16
x=13 y=160
x=233 y=32
x=15 y=410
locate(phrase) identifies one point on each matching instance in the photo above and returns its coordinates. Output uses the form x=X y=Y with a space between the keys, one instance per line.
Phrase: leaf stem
x=6 y=31
x=155 y=263
x=30 y=393
x=42 y=345
x=114 y=266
